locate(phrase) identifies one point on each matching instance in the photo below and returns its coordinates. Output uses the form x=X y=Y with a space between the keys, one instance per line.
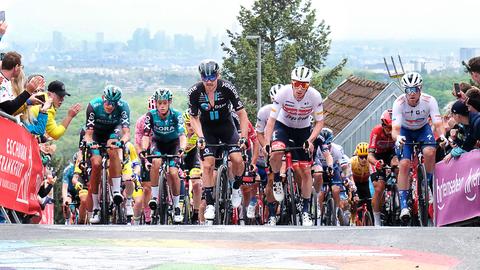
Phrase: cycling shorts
x=292 y=137
x=224 y=133
x=423 y=134
x=165 y=148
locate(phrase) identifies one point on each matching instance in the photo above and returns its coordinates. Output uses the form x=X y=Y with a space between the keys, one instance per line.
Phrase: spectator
x=469 y=125
x=57 y=93
x=3 y=28
x=473 y=99
x=473 y=67
x=12 y=68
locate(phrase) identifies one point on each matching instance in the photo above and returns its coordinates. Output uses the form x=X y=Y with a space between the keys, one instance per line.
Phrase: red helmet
x=387 y=117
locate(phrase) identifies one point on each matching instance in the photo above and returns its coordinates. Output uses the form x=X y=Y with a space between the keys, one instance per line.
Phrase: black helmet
x=208 y=68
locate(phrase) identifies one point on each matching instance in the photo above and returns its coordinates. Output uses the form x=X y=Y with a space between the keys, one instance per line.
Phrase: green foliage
x=290 y=35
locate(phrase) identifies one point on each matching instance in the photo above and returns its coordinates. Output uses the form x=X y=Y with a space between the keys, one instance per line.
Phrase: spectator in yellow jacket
x=57 y=92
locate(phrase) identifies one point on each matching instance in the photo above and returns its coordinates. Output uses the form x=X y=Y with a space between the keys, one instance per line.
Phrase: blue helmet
x=208 y=68
x=326 y=135
x=162 y=94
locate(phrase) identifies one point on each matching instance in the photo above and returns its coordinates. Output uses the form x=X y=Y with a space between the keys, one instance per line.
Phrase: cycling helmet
x=274 y=89
x=327 y=135
x=162 y=94
x=112 y=93
x=412 y=79
x=386 y=117
x=361 y=149
x=302 y=74
x=186 y=117
x=152 y=104
x=208 y=68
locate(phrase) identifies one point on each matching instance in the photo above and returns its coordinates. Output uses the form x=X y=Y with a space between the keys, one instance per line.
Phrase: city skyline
x=349 y=20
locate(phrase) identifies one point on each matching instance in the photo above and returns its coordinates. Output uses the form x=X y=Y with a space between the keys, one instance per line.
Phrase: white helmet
x=412 y=79
x=302 y=74
x=274 y=89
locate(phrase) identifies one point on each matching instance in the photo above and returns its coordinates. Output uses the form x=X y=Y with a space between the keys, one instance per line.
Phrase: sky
x=31 y=20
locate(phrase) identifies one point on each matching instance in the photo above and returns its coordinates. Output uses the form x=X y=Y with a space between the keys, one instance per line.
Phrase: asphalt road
x=236 y=247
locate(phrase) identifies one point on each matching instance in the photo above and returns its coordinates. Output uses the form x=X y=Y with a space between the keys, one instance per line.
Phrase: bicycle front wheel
x=221 y=196
x=422 y=191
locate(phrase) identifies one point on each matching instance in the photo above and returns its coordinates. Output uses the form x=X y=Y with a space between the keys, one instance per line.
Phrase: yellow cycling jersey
x=127 y=169
x=360 y=172
x=191 y=141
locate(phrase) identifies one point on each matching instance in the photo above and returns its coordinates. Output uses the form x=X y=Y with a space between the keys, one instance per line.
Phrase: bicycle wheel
x=221 y=195
x=422 y=191
x=395 y=206
x=367 y=219
x=162 y=197
x=314 y=209
x=105 y=204
x=187 y=209
x=291 y=196
x=330 y=213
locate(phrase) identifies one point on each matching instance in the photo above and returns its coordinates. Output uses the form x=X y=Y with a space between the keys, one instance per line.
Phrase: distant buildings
x=467 y=53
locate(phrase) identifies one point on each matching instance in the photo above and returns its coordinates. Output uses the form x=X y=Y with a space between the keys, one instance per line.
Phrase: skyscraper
x=58 y=42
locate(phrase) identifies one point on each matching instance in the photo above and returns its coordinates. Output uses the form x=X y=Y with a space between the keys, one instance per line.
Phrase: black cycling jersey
x=217 y=110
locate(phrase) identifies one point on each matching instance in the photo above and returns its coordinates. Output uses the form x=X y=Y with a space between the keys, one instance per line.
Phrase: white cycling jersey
x=262 y=118
x=296 y=114
x=337 y=153
x=414 y=118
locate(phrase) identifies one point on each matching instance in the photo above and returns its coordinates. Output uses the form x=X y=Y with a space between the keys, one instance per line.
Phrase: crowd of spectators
x=34 y=106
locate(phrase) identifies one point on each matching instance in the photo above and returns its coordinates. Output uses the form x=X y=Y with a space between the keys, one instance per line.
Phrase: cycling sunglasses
x=211 y=77
x=362 y=157
x=110 y=103
x=303 y=85
x=412 y=90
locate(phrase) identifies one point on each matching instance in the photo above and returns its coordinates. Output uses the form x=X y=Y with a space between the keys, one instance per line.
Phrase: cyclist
x=72 y=190
x=211 y=119
x=108 y=123
x=329 y=162
x=290 y=120
x=192 y=166
x=130 y=172
x=168 y=138
x=262 y=118
x=361 y=173
x=410 y=117
x=144 y=173
x=381 y=151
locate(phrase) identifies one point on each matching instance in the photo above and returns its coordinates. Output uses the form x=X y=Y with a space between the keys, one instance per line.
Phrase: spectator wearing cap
x=473 y=67
x=12 y=68
x=468 y=127
x=57 y=93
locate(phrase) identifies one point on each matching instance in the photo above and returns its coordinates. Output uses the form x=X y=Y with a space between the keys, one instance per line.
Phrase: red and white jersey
x=6 y=92
x=262 y=118
x=296 y=114
x=380 y=142
x=414 y=118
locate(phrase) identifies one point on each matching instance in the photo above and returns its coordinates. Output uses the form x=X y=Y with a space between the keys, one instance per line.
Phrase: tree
x=290 y=36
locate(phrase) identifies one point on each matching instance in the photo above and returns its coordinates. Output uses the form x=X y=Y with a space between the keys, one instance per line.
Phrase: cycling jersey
x=262 y=118
x=6 y=92
x=127 y=170
x=191 y=142
x=139 y=129
x=380 y=142
x=360 y=172
x=335 y=150
x=68 y=176
x=103 y=122
x=296 y=114
x=217 y=110
x=252 y=135
x=164 y=130
x=415 y=117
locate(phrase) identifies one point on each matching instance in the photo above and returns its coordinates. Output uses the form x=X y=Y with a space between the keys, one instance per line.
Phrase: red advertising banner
x=21 y=170
x=457 y=189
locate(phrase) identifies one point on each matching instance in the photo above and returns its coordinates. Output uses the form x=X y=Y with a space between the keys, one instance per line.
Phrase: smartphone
x=41 y=98
x=456 y=87
x=2 y=15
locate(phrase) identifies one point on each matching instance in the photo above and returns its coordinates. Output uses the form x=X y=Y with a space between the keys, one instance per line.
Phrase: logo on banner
x=471 y=183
